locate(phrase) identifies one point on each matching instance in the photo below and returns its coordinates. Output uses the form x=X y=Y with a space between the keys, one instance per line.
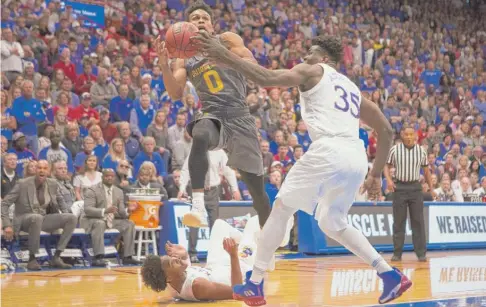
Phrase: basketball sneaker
x=198 y=217
x=394 y=285
x=249 y=293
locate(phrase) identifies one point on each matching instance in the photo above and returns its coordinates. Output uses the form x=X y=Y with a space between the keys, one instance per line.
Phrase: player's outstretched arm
x=373 y=117
x=212 y=48
x=235 y=44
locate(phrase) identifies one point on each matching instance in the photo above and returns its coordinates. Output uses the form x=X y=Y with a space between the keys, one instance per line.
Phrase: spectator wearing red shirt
x=84 y=110
x=86 y=79
x=283 y=154
x=108 y=129
x=65 y=65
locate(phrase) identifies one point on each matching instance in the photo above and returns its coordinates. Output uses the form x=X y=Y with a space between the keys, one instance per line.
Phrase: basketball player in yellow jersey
x=225 y=120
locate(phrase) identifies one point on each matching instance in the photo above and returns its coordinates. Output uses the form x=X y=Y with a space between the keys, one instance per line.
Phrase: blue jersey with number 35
x=331 y=107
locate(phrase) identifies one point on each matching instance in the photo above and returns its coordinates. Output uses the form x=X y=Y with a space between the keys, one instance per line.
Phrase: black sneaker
x=396 y=258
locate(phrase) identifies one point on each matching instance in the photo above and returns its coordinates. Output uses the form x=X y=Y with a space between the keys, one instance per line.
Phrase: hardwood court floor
x=320 y=281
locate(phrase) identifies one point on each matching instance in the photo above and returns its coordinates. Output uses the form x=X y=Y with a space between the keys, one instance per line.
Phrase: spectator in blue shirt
x=55 y=152
x=24 y=155
x=149 y=154
x=431 y=76
x=28 y=112
x=132 y=146
x=115 y=154
x=303 y=136
x=273 y=186
x=121 y=106
x=392 y=71
x=88 y=147
x=141 y=117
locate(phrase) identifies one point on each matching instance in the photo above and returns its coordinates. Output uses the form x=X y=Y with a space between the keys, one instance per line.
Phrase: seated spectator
x=84 y=110
x=9 y=176
x=266 y=155
x=115 y=154
x=283 y=154
x=147 y=179
x=108 y=130
x=132 y=146
x=176 y=132
x=56 y=153
x=104 y=208
x=273 y=186
x=65 y=65
x=45 y=139
x=63 y=103
x=148 y=154
x=19 y=148
x=481 y=191
x=63 y=179
x=88 y=147
x=85 y=80
x=88 y=177
x=37 y=206
x=141 y=117
x=67 y=87
x=278 y=139
x=103 y=91
x=101 y=147
x=298 y=152
x=72 y=141
x=123 y=176
x=173 y=185
x=61 y=122
x=121 y=106
x=181 y=151
x=464 y=191
x=30 y=169
x=159 y=131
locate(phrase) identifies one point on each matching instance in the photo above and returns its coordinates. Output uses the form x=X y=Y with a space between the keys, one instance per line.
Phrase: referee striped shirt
x=407 y=162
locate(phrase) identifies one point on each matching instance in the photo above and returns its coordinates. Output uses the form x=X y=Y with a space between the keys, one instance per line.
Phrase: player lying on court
x=224 y=121
x=328 y=177
x=223 y=269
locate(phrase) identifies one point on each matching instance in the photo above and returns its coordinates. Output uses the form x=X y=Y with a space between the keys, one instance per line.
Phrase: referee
x=408 y=158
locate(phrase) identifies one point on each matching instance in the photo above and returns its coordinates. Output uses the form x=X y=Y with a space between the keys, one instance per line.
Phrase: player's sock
x=271 y=236
x=198 y=200
x=357 y=243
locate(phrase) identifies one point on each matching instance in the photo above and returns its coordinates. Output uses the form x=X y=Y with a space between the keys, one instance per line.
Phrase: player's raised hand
x=162 y=52
x=230 y=246
x=210 y=46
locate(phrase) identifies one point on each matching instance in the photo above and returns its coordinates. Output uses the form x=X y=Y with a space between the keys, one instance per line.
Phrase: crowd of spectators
x=95 y=97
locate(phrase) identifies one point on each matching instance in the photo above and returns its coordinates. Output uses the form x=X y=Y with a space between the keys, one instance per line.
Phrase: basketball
x=178 y=40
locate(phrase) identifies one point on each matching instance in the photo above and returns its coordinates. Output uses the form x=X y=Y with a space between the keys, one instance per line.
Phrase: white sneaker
x=196 y=218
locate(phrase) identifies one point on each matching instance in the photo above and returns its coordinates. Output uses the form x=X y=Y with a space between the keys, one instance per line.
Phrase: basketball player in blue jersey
x=328 y=177
x=225 y=120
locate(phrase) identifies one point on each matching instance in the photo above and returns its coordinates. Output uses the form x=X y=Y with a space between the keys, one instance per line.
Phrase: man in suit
x=143 y=180
x=104 y=208
x=38 y=203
